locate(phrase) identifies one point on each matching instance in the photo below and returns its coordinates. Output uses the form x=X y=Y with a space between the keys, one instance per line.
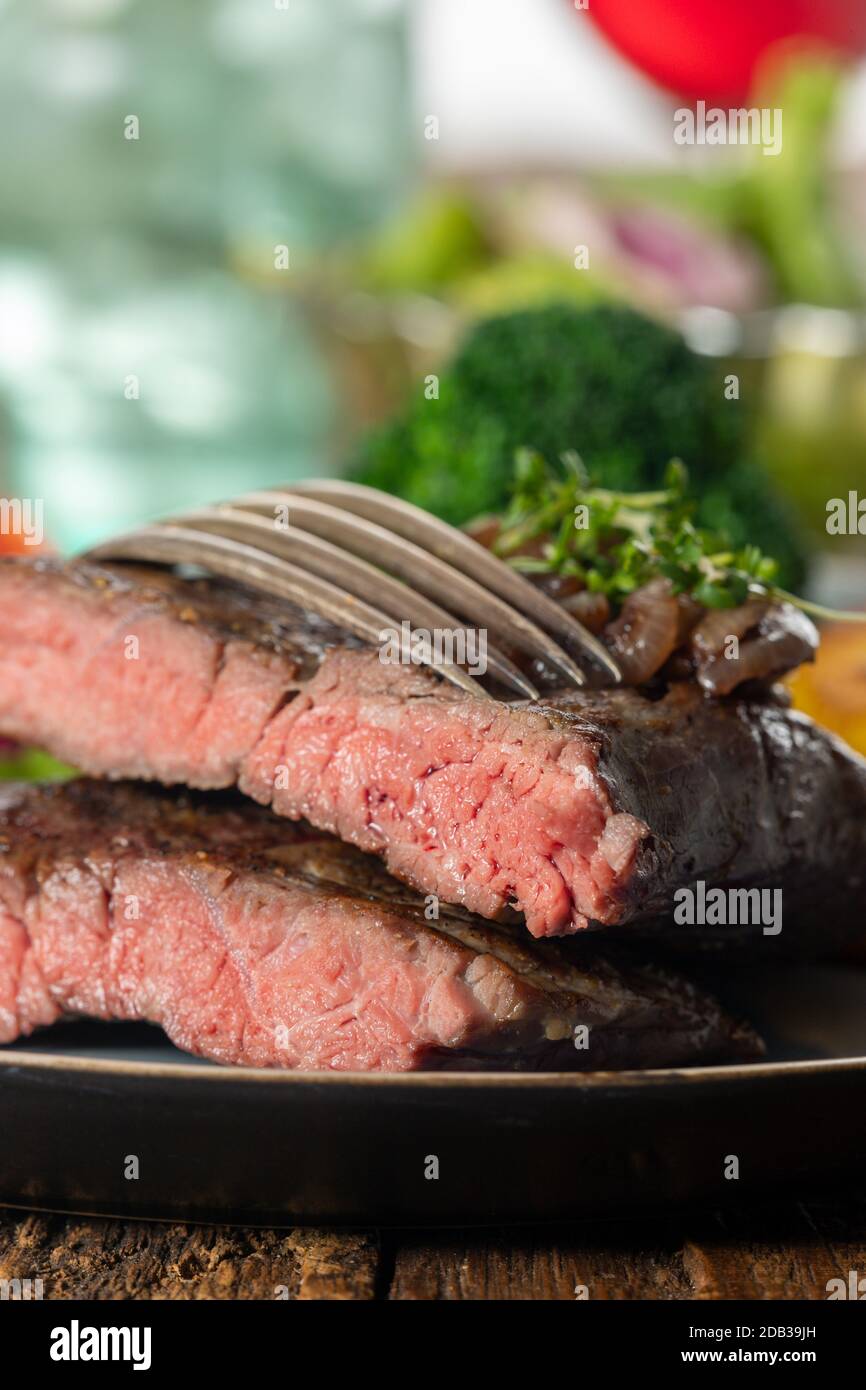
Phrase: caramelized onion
x=646 y=631
x=689 y=613
x=485 y=530
x=772 y=638
x=659 y=631
x=591 y=609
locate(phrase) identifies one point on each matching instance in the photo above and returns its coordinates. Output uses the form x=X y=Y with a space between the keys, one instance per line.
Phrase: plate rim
x=431 y=1080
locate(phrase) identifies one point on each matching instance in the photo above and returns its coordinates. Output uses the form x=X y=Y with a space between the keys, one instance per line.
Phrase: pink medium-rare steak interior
x=484 y=798
x=132 y=673
x=109 y=913
x=253 y=941
x=238 y=975
x=586 y=807
x=109 y=679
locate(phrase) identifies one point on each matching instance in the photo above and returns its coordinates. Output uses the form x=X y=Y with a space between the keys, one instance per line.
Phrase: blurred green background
x=154 y=352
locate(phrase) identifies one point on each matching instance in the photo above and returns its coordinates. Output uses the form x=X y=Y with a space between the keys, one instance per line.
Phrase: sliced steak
x=251 y=941
x=586 y=808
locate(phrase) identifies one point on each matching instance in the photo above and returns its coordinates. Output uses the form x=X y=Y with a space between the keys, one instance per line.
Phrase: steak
x=256 y=942
x=586 y=808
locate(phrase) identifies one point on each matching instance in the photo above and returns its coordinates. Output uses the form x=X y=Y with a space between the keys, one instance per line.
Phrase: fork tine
x=421 y=570
x=166 y=543
x=356 y=576
x=456 y=548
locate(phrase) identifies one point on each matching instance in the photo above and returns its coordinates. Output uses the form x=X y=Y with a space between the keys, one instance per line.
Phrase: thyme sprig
x=558 y=523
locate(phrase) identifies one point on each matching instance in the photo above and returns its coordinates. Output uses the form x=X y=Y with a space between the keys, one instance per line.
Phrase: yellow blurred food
x=833 y=690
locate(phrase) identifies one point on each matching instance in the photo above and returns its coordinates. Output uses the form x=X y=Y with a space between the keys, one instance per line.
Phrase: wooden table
x=780 y=1250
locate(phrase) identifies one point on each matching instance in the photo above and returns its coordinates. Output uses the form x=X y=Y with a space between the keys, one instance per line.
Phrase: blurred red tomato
x=710 y=49
x=13 y=541
x=13 y=544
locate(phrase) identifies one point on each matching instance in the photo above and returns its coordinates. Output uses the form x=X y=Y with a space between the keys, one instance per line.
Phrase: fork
x=370 y=563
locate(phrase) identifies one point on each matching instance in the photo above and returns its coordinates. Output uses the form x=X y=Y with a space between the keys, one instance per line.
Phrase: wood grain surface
x=784 y=1251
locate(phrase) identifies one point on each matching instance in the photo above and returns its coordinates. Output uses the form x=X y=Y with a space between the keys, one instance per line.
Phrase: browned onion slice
x=772 y=638
x=591 y=609
x=646 y=631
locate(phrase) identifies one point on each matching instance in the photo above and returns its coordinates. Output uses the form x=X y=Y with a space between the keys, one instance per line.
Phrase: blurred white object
x=523 y=82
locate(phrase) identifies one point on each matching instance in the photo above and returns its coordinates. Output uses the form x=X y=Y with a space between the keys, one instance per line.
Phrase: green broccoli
x=625 y=392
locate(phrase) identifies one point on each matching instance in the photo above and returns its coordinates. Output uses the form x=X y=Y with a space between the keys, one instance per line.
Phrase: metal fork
x=370 y=562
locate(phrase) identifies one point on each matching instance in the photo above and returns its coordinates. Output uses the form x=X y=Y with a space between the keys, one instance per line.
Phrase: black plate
x=281 y=1148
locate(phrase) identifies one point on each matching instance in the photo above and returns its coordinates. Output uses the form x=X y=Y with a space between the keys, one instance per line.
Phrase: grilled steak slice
x=592 y=807
x=252 y=941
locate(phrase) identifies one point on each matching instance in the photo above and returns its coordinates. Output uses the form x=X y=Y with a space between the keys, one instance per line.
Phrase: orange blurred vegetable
x=833 y=690
x=13 y=544
x=13 y=540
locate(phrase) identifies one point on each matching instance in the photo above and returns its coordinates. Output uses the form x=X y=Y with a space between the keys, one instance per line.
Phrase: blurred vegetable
x=15 y=542
x=624 y=392
x=833 y=691
x=764 y=198
x=30 y=765
x=703 y=49
x=791 y=190
x=437 y=239
x=533 y=279
x=494 y=247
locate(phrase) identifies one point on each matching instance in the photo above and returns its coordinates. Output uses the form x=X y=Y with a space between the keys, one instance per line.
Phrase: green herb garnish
x=615 y=542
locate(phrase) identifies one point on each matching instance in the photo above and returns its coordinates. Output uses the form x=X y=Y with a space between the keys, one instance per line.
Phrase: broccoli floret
x=627 y=393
